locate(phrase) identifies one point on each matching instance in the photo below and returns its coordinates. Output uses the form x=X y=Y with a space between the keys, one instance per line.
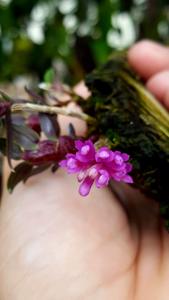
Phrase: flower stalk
x=36 y=108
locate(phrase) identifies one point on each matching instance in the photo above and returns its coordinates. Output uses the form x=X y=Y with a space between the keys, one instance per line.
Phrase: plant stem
x=29 y=107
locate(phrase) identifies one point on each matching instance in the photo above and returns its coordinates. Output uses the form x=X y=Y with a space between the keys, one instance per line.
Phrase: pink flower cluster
x=97 y=166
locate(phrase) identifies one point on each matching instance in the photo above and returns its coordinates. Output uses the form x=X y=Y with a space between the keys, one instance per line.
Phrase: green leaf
x=5 y=97
x=49 y=76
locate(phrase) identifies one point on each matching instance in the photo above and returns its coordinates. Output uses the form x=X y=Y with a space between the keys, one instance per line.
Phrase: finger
x=159 y=86
x=82 y=90
x=148 y=58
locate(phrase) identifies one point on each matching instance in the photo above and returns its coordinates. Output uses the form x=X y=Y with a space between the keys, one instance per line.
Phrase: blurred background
x=73 y=36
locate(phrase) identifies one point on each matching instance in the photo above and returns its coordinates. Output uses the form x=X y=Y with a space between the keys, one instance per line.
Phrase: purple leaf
x=33 y=122
x=37 y=170
x=55 y=168
x=71 y=131
x=36 y=97
x=25 y=136
x=19 y=174
x=3 y=146
x=4 y=106
x=49 y=125
x=9 y=136
x=46 y=152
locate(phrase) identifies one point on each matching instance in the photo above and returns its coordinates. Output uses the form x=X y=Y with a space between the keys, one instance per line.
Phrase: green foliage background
x=73 y=36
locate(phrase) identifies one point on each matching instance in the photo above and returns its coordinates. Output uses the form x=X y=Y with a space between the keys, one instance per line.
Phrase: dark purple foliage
x=34 y=123
x=49 y=151
x=4 y=106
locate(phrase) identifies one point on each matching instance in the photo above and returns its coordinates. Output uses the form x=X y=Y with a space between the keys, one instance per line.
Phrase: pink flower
x=71 y=163
x=86 y=151
x=97 y=166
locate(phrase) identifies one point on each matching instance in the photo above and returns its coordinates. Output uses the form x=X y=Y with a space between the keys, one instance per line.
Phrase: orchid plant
x=24 y=141
x=124 y=141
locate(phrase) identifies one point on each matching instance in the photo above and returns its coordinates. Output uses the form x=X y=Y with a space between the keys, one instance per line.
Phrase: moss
x=134 y=122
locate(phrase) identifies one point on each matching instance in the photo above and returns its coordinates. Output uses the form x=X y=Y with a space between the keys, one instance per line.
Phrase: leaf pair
x=22 y=172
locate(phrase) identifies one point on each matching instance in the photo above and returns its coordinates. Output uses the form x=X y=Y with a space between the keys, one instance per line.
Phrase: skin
x=57 y=245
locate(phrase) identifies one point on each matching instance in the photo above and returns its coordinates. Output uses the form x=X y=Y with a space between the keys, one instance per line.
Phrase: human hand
x=56 y=245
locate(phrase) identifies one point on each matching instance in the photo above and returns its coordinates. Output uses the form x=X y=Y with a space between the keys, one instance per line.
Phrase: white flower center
x=118 y=159
x=93 y=173
x=85 y=150
x=81 y=175
x=104 y=154
x=102 y=179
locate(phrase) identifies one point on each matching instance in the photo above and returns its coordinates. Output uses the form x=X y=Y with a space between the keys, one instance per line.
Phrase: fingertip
x=136 y=50
x=81 y=90
x=158 y=85
x=148 y=58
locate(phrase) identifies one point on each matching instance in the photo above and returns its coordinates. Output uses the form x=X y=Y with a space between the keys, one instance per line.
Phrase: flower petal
x=103 y=179
x=85 y=186
x=129 y=167
x=79 y=144
x=118 y=159
x=125 y=156
x=81 y=176
x=128 y=179
x=63 y=163
x=86 y=151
